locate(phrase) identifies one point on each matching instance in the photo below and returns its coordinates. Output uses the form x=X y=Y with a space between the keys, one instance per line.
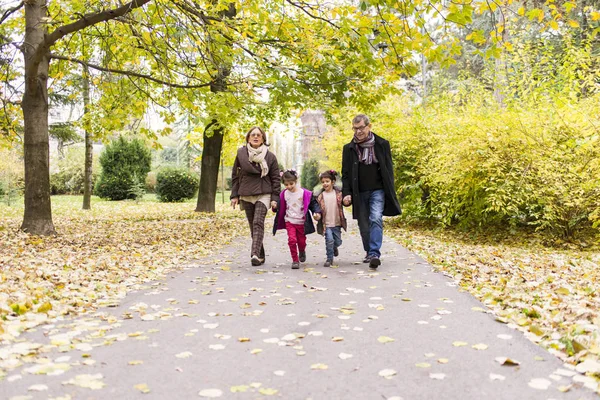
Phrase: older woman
x=255 y=187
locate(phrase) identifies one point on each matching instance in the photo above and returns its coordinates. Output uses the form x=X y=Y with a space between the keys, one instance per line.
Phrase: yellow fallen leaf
x=385 y=339
x=480 y=346
x=458 y=343
x=423 y=365
x=135 y=362
x=443 y=360
x=319 y=366
x=142 y=387
x=255 y=351
x=337 y=339
x=243 y=339
x=268 y=391
x=239 y=389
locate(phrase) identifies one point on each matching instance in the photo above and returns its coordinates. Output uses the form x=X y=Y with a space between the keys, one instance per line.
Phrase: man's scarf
x=258 y=156
x=365 y=149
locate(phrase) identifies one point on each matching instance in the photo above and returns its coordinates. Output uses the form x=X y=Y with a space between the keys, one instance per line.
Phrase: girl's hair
x=331 y=174
x=264 y=135
x=289 y=175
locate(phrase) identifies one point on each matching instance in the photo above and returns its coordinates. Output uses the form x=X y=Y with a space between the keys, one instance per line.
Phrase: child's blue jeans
x=333 y=240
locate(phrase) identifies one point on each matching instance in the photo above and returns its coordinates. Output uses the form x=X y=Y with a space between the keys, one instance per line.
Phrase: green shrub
x=175 y=184
x=125 y=164
x=310 y=174
x=2 y=189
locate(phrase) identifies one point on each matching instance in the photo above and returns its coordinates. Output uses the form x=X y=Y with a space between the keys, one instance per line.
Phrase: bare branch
x=10 y=11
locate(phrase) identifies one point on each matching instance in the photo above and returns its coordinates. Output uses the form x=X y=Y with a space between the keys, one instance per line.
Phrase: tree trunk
x=37 y=218
x=209 y=170
x=500 y=81
x=211 y=151
x=89 y=149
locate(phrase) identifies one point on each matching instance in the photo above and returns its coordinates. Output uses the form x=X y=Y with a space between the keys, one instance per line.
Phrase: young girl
x=333 y=219
x=293 y=215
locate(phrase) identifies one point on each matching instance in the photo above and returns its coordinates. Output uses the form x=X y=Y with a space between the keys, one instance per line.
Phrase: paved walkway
x=222 y=328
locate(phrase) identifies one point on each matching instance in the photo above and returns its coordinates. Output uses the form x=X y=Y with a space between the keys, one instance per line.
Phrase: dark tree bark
x=209 y=172
x=89 y=149
x=211 y=151
x=37 y=218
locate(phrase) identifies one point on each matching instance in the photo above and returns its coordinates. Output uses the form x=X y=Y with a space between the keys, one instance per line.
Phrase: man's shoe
x=255 y=261
x=262 y=260
x=335 y=252
x=302 y=256
x=374 y=262
x=295 y=265
x=367 y=259
x=328 y=263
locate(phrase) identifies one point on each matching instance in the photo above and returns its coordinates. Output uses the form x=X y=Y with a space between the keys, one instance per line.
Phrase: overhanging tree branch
x=8 y=12
x=84 y=22
x=128 y=73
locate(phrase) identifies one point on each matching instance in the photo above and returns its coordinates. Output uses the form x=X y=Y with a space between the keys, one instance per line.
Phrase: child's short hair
x=289 y=175
x=331 y=174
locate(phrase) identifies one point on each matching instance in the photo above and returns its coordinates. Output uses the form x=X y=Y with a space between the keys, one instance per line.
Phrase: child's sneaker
x=335 y=252
x=302 y=256
x=295 y=265
x=328 y=263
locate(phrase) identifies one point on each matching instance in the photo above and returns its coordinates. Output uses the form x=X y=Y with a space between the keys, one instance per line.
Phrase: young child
x=293 y=215
x=333 y=220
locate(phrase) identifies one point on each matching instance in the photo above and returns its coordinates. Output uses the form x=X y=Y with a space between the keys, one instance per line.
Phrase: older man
x=368 y=184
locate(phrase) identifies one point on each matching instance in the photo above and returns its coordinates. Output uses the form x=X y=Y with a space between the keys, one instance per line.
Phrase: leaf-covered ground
x=98 y=255
x=550 y=294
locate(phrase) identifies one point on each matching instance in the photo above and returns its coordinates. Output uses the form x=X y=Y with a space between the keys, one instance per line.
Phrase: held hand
x=234 y=202
x=274 y=206
x=347 y=200
x=317 y=216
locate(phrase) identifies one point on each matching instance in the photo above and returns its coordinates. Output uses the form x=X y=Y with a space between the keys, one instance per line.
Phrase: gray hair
x=363 y=118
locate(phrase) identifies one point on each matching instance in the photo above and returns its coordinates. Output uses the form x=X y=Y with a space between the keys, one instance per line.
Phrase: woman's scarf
x=258 y=156
x=365 y=149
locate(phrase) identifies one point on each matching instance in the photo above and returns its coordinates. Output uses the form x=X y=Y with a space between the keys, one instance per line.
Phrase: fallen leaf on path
x=142 y=387
x=423 y=365
x=268 y=391
x=387 y=373
x=438 y=376
x=184 y=354
x=88 y=381
x=480 y=346
x=539 y=383
x=210 y=393
x=345 y=356
x=319 y=366
x=37 y=388
x=497 y=377
x=385 y=339
x=239 y=389
x=459 y=344
x=507 y=361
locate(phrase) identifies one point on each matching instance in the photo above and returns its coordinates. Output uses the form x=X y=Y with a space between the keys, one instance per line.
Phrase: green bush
x=481 y=165
x=309 y=178
x=125 y=165
x=175 y=184
x=2 y=190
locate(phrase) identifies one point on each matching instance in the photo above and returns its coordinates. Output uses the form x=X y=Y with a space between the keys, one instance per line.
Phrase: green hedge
x=175 y=184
